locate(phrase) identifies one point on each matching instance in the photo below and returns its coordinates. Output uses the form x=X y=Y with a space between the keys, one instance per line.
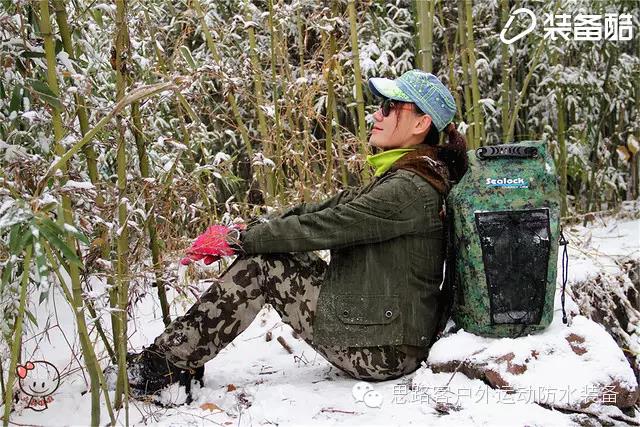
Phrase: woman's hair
x=453 y=153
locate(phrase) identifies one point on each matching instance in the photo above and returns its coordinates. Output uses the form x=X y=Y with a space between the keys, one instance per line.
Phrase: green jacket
x=386 y=241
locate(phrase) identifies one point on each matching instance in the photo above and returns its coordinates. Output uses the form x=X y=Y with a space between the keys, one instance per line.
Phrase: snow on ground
x=271 y=386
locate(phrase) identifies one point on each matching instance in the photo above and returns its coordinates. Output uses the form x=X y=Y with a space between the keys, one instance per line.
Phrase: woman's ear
x=422 y=125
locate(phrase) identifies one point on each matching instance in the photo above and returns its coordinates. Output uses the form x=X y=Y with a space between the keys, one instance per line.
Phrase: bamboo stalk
x=137 y=94
x=355 y=56
x=331 y=99
x=451 y=63
x=230 y=96
x=562 y=145
x=81 y=109
x=468 y=100
x=268 y=177
x=122 y=282
x=88 y=150
x=67 y=214
x=424 y=23
x=523 y=91
x=154 y=245
x=306 y=140
x=478 y=114
x=56 y=265
x=276 y=103
x=506 y=75
x=17 y=336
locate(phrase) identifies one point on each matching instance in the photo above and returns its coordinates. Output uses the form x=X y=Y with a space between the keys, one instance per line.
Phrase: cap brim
x=387 y=88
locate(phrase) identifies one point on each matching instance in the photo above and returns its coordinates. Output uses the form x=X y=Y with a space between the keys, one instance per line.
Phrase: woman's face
x=402 y=128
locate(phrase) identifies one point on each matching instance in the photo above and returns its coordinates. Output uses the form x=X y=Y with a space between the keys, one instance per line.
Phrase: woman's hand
x=214 y=243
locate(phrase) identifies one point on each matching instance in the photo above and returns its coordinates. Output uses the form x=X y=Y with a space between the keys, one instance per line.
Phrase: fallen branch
x=285 y=344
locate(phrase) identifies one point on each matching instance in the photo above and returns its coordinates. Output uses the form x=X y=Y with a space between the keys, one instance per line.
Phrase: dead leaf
x=231 y=387
x=211 y=407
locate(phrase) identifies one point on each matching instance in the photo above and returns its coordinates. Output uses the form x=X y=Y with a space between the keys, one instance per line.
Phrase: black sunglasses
x=388 y=105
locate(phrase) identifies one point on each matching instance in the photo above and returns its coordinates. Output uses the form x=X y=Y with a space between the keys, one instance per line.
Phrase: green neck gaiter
x=383 y=161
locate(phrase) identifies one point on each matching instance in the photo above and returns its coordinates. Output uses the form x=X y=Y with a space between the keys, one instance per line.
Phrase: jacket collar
x=423 y=160
x=384 y=160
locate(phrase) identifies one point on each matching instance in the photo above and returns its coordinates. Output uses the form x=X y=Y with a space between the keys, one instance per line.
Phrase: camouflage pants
x=291 y=284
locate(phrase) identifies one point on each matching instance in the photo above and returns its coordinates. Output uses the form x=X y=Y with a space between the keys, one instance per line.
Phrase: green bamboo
x=331 y=99
x=279 y=178
x=478 y=115
x=81 y=109
x=450 y=60
x=230 y=97
x=17 y=336
x=506 y=75
x=57 y=265
x=424 y=23
x=562 y=145
x=138 y=94
x=154 y=244
x=523 y=91
x=88 y=150
x=268 y=177
x=306 y=140
x=468 y=99
x=122 y=281
x=355 y=56
x=67 y=215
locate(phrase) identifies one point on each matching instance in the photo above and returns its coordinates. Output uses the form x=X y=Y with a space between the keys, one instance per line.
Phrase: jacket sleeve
x=375 y=216
x=304 y=208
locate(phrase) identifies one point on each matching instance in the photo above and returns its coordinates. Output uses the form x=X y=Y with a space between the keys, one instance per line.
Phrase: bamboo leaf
x=43 y=296
x=186 y=54
x=55 y=241
x=16 y=99
x=41 y=261
x=26 y=54
x=45 y=92
x=54 y=227
x=32 y=318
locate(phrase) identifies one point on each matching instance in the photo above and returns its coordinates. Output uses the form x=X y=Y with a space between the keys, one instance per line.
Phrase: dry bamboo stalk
x=331 y=99
x=362 y=131
x=122 y=246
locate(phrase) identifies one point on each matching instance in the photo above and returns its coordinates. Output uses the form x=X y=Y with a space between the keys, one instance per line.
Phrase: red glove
x=213 y=244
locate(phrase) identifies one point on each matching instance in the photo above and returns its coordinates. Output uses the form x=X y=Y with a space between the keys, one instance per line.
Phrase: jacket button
x=345 y=313
x=388 y=314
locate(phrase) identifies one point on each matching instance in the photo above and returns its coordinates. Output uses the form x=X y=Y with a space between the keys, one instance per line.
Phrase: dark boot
x=149 y=372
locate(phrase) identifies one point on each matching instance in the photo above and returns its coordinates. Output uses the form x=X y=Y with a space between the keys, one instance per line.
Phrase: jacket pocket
x=367 y=309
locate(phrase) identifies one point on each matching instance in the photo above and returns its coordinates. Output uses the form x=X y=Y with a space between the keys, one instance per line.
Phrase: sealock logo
x=507 y=182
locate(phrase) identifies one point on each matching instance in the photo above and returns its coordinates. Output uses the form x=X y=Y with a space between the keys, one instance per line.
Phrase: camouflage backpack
x=503 y=228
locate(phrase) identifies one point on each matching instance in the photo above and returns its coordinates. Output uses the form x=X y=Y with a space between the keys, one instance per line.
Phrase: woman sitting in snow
x=371 y=312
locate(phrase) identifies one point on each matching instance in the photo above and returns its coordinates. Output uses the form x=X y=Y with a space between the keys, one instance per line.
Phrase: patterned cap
x=423 y=89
